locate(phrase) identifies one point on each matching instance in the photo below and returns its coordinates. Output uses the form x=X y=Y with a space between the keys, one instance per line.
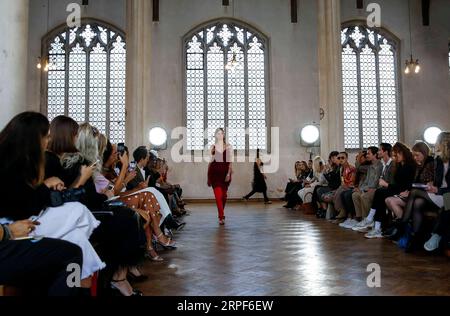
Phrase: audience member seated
x=333 y=177
x=174 y=191
x=294 y=186
x=26 y=195
x=404 y=172
x=357 y=201
x=348 y=175
x=318 y=179
x=424 y=175
x=38 y=267
x=156 y=181
x=363 y=197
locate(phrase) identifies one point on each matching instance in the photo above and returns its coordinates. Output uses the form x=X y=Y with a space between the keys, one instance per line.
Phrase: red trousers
x=221 y=200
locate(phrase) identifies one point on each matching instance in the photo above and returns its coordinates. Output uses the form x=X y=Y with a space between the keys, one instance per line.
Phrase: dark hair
x=344 y=153
x=108 y=152
x=386 y=147
x=21 y=149
x=333 y=154
x=406 y=153
x=140 y=154
x=63 y=130
x=374 y=150
x=422 y=148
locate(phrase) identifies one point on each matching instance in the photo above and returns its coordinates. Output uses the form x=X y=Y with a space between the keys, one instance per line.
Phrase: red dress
x=218 y=171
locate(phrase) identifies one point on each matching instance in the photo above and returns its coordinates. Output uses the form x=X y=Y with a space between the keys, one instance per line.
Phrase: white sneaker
x=351 y=224
x=373 y=234
x=433 y=243
x=364 y=226
x=344 y=224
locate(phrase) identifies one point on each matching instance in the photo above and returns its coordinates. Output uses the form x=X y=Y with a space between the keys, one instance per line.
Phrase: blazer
x=137 y=180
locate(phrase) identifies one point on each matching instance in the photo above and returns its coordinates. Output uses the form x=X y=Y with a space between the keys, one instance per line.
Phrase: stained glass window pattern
x=218 y=98
x=86 y=77
x=370 y=95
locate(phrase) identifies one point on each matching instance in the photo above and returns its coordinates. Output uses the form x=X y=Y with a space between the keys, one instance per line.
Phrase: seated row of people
x=60 y=180
x=387 y=194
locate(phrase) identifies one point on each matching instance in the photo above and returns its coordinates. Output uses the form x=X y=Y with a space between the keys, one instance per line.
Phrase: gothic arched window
x=216 y=97
x=370 y=87
x=86 y=76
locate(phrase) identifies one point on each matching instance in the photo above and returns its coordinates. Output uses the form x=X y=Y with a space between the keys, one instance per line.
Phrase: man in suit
x=141 y=157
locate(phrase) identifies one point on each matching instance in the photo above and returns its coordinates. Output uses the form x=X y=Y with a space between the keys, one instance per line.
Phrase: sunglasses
x=341 y=158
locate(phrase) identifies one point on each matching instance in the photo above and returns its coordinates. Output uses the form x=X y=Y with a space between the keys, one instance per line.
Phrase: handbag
x=58 y=198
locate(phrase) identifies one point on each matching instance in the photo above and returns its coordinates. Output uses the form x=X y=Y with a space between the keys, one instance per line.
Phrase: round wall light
x=158 y=137
x=310 y=135
x=431 y=134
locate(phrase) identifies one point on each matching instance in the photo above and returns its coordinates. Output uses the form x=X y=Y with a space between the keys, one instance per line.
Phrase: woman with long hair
x=119 y=238
x=318 y=178
x=27 y=194
x=302 y=173
x=424 y=175
x=404 y=173
x=220 y=171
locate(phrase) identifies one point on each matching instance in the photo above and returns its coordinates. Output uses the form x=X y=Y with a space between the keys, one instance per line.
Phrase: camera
x=58 y=198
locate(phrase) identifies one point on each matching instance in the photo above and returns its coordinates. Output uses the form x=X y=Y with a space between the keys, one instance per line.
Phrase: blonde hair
x=317 y=166
x=102 y=143
x=443 y=142
x=88 y=142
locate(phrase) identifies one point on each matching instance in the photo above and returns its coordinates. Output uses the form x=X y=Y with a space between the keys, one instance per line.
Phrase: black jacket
x=20 y=200
x=55 y=168
x=334 y=178
x=404 y=176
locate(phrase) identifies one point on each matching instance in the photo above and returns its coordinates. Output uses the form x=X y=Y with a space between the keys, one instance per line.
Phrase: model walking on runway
x=220 y=171
x=259 y=181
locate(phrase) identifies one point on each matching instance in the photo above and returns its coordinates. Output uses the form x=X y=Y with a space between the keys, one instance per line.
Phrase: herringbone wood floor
x=268 y=250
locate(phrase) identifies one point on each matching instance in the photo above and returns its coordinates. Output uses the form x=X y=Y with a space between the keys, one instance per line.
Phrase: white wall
x=426 y=97
x=293 y=69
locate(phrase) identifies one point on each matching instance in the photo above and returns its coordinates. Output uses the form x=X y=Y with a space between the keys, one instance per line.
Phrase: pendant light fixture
x=233 y=63
x=43 y=63
x=412 y=66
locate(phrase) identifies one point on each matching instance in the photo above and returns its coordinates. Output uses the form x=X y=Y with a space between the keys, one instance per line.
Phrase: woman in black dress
x=259 y=181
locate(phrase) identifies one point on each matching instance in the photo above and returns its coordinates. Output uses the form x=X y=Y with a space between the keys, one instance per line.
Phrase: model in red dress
x=220 y=171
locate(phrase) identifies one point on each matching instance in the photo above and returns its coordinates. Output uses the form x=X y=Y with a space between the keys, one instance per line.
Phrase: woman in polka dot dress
x=140 y=200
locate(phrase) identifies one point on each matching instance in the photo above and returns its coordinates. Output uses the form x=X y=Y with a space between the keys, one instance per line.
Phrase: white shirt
x=386 y=164
x=142 y=172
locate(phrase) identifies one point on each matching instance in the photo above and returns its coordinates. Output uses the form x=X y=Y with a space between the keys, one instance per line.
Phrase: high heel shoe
x=117 y=291
x=170 y=244
x=151 y=257
x=136 y=278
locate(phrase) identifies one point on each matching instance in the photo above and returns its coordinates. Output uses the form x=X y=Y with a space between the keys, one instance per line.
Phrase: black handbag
x=58 y=198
